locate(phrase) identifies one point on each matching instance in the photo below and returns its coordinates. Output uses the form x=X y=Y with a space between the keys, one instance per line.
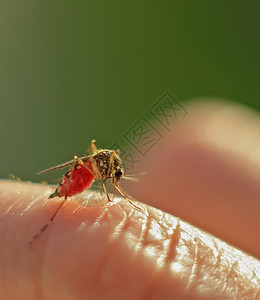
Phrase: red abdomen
x=74 y=181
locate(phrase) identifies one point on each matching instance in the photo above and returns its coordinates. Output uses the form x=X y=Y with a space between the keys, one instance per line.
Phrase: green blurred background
x=71 y=71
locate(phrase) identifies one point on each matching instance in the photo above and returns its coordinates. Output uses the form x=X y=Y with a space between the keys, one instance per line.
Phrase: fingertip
x=207 y=171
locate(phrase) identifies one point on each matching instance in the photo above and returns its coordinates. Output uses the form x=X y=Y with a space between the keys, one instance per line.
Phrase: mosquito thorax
x=102 y=166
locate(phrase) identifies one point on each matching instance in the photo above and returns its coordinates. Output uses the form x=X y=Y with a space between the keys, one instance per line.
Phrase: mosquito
x=102 y=165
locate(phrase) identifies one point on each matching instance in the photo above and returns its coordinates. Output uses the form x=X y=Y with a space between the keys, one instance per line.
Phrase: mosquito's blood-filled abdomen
x=74 y=181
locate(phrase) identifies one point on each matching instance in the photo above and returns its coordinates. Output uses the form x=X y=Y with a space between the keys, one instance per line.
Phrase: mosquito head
x=118 y=174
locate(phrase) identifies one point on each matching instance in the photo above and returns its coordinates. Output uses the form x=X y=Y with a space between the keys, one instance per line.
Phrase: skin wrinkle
x=123 y=247
x=39 y=257
x=97 y=274
x=116 y=234
x=205 y=257
x=11 y=233
x=113 y=241
x=231 y=274
x=119 y=229
x=106 y=207
x=143 y=239
x=79 y=206
x=229 y=258
x=174 y=241
x=158 y=220
x=142 y=242
x=218 y=266
x=144 y=232
x=169 y=253
x=219 y=254
x=100 y=218
x=257 y=291
x=195 y=264
x=31 y=204
x=67 y=258
x=194 y=269
x=10 y=208
x=195 y=240
x=167 y=256
x=249 y=281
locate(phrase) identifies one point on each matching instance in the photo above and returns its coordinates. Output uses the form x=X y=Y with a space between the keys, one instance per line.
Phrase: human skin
x=95 y=250
x=210 y=165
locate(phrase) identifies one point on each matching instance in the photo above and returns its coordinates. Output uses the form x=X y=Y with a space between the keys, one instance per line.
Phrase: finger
x=207 y=171
x=100 y=251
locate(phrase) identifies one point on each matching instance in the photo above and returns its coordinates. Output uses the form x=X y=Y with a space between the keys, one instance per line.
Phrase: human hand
x=100 y=251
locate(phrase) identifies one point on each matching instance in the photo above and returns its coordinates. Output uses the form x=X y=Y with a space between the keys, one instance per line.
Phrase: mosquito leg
x=47 y=224
x=111 y=162
x=12 y=176
x=125 y=196
x=94 y=147
x=53 y=216
x=68 y=163
x=105 y=189
x=114 y=189
x=100 y=188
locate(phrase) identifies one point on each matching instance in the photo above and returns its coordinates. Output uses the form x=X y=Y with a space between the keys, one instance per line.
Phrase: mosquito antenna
x=135 y=175
x=132 y=177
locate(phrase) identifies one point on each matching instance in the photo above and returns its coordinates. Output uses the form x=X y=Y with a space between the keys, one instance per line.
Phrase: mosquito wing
x=62 y=166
